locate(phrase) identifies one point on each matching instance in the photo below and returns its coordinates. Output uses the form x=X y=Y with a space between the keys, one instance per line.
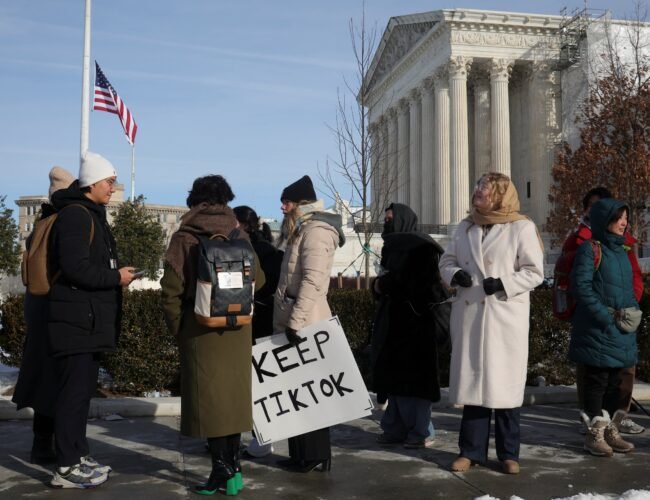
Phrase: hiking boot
x=629 y=426
x=613 y=437
x=595 y=438
x=90 y=462
x=414 y=445
x=77 y=476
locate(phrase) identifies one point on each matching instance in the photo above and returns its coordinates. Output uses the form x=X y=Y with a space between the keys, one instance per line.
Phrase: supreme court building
x=453 y=94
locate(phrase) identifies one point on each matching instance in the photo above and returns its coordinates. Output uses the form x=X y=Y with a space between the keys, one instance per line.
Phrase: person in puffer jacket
x=603 y=289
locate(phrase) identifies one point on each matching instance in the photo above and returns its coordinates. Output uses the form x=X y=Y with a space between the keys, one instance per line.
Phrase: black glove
x=492 y=285
x=293 y=338
x=462 y=278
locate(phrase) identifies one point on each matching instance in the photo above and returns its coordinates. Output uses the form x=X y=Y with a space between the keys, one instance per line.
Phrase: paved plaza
x=151 y=460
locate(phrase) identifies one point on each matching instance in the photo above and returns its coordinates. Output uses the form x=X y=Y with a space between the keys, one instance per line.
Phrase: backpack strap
x=92 y=222
x=57 y=275
x=598 y=253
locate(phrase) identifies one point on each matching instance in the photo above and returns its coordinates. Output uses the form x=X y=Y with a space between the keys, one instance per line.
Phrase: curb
x=171 y=407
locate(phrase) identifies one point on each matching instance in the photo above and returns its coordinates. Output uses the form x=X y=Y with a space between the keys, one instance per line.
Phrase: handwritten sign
x=316 y=384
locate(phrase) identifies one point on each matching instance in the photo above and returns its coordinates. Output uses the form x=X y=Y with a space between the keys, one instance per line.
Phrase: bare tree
x=614 y=122
x=355 y=174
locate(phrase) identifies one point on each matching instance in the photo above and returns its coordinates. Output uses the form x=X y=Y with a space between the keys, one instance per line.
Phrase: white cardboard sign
x=297 y=389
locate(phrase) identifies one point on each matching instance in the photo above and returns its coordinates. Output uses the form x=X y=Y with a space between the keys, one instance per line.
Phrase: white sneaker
x=628 y=426
x=77 y=476
x=95 y=465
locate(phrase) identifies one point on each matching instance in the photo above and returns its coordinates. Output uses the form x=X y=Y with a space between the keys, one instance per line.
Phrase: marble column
x=375 y=169
x=482 y=132
x=403 y=151
x=391 y=177
x=459 y=146
x=415 y=153
x=428 y=137
x=441 y=167
x=545 y=123
x=500 y=70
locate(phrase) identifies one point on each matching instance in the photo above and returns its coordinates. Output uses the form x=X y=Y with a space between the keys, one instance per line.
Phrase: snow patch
x=8 y=377
x=628 y=495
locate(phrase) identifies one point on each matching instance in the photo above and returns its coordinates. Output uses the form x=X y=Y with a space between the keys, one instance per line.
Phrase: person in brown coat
x=216 y=401
x=311 y=236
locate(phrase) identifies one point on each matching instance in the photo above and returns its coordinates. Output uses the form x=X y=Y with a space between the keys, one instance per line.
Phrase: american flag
x=106 y=99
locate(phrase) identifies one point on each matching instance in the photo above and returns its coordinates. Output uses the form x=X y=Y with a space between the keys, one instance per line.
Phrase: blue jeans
x=407 y=419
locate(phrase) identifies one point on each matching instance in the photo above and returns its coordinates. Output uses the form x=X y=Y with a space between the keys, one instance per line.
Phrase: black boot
x=234 y=448
x=222 y=477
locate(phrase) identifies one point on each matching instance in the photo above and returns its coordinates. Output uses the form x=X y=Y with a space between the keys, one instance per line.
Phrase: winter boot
x=612 y=435
x=234 y=450
x=222 y=477
x=595 y=438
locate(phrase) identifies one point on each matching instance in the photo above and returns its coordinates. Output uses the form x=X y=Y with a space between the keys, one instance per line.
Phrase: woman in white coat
x=494 y=260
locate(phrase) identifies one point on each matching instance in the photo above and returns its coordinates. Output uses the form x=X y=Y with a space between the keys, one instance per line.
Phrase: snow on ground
x=8 y=377
x=628 y=495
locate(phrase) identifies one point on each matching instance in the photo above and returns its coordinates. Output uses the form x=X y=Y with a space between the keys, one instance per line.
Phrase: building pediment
x=400 y=36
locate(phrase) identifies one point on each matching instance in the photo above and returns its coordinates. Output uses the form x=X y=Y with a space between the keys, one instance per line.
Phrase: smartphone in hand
x=137 y=274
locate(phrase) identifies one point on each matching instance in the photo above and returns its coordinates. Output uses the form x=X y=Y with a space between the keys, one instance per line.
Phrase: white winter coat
x=490 y=333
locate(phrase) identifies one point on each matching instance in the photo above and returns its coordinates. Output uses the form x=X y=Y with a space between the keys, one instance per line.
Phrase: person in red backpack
x=574 y=240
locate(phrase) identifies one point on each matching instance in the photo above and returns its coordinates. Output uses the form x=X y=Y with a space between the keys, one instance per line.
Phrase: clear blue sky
x=243 y=88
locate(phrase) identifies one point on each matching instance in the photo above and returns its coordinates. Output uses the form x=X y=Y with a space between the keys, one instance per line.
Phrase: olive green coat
x=216 y=397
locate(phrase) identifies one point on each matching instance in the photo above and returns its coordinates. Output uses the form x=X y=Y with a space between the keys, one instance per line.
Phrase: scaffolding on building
x=573 y=31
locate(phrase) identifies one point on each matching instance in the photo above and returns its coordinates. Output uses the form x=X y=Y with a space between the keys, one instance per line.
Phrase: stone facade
x=457 y=93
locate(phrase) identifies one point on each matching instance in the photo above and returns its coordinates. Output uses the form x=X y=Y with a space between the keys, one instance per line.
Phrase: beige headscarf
x=508 y=211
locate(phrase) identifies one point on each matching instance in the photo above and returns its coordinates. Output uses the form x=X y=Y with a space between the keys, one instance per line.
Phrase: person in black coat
x=403 y=346
x=270 y=259
x=36 y=384
x=83 y=313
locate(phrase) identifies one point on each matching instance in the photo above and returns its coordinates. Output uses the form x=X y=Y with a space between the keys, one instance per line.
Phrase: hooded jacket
x=85 y=301
x=403 y=347
x=595 y=338
x=301 y=297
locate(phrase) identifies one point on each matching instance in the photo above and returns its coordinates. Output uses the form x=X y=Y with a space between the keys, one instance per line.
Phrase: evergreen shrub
x=147 y=357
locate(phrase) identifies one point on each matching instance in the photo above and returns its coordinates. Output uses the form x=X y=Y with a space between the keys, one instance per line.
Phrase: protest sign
x=316 y=384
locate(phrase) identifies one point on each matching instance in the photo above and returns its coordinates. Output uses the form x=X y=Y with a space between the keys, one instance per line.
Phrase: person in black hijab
x=403 y=350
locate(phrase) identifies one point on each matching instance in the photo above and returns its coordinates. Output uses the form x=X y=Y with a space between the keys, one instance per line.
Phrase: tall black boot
x=222 y=477
x=234 y=441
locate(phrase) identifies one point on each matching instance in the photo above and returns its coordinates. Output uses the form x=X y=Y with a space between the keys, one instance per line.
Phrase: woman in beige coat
x=494 y=260
x=311 y=237
x=216 y=401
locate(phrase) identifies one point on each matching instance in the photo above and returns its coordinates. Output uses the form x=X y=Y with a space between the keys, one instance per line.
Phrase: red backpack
x=563 y=302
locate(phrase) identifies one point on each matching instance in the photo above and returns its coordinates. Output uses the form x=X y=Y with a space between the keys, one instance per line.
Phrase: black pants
x=77 y=377
x=601 y=390
x=311 y=447
x=474 y=434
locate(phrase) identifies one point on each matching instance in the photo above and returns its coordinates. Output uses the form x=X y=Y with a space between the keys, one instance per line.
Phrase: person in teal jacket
x=602 y=291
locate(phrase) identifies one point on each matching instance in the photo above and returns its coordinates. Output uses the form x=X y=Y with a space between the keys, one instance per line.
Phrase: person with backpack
x=36 y=386
x=84 y=311
x=403 y=347
x=270 y=259
x=494 y=259
x=216 y=386
x=563 y=267
x=604 y=324
x=311 y=237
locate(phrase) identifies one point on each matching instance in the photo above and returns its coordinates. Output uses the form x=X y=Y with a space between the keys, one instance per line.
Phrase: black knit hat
x=301 y=190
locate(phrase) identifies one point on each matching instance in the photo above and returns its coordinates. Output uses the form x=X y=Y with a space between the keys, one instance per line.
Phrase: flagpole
x=132 y=173
x=85 y=85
